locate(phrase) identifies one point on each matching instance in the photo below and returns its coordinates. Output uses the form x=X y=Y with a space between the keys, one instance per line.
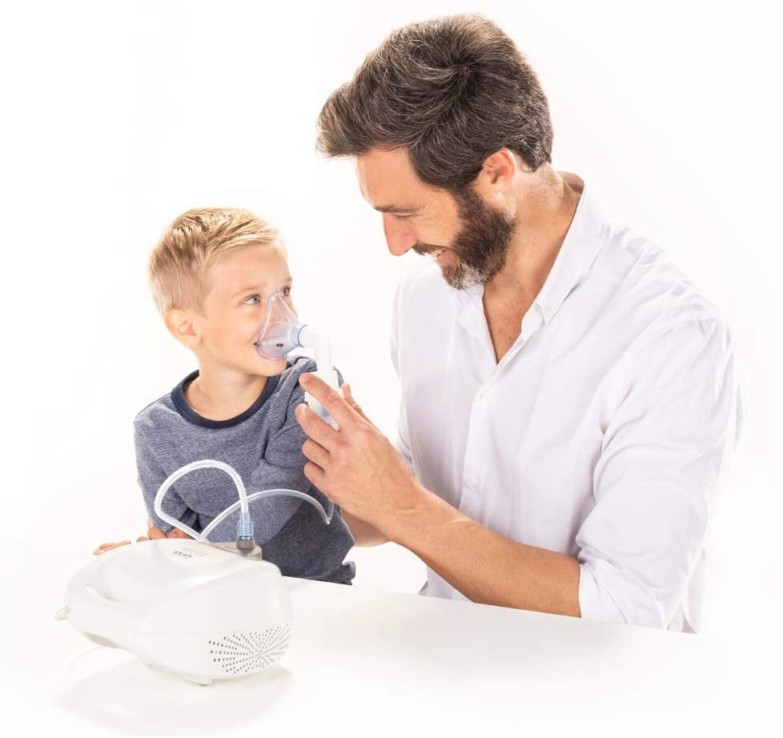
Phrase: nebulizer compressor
x=202 y=610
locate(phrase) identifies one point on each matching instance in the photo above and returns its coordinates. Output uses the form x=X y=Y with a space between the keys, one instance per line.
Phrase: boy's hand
x=104 y=547
x=153 y=533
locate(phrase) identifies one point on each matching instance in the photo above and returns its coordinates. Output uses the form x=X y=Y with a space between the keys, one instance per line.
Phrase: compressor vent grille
x=251 y=651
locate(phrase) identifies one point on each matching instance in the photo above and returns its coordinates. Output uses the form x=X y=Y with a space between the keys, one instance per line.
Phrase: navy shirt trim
x=187 y=412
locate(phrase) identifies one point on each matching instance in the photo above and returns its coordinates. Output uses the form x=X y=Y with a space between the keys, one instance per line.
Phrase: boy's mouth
x=257 y=346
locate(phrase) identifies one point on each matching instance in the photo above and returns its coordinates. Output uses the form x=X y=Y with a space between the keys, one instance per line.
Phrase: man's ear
x=181 y=325
x=500 y=168
x=498 y=174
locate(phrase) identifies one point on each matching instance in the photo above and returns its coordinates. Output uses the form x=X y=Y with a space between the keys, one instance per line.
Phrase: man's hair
x=196 y=241
x=451 y=91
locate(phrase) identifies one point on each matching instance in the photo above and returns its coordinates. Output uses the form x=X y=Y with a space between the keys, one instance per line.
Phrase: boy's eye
x=286 y=291
x=253 y=300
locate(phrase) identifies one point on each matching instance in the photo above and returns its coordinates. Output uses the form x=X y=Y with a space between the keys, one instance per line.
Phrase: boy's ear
x=180 y=325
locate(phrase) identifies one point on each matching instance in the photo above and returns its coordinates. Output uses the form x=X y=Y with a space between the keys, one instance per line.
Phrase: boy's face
x=234 y=309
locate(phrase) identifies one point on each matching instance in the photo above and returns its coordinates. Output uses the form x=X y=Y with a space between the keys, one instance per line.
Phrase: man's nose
x=399 y=236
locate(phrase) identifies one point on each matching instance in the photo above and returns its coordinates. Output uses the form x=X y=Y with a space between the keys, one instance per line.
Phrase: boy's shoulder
x=289 y=393
x=288 y=386
x=300 y=365
x=157 y=412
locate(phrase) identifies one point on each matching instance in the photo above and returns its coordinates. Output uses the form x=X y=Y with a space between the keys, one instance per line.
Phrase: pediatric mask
x=283 y=332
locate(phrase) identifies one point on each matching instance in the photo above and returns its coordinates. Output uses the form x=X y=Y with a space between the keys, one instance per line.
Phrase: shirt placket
x=477 y=450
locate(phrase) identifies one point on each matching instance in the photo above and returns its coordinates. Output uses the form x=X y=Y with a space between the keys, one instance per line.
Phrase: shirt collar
x=584 y=239
x=186 y=411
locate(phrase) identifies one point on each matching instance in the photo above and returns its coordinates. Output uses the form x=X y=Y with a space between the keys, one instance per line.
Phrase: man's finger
x=348 y=395
x=316 y=428
x=316 y=475
x=335 y=405
x=177 y=533
x=316 y=453
x=155 y=533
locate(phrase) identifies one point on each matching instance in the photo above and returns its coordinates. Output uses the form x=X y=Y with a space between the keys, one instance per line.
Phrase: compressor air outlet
x=251 y=651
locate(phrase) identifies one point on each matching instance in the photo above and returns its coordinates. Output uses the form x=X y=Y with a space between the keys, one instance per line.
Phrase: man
x=568 y=397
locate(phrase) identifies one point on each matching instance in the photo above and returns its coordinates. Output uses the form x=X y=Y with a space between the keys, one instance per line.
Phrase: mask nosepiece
x=280 y=333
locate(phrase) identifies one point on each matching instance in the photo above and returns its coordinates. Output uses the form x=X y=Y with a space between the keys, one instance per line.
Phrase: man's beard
x=481 y=245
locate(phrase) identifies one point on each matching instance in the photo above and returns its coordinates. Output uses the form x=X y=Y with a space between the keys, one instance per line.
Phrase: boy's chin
x=272 y=367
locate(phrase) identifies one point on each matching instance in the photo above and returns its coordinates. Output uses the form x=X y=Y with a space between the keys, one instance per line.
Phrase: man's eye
x=402 y=217
x=253 y=300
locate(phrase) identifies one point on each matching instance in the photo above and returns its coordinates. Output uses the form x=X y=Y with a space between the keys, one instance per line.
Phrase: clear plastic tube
x=242 y=503
x=327 y=516
x=181 y=472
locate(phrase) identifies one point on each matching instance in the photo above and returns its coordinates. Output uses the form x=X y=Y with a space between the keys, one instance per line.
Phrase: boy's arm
x=281 y=467
x=150 y=477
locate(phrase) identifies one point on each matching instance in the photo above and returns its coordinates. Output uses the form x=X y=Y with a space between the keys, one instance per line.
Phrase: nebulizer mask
x=283 y=332
x=203 y=610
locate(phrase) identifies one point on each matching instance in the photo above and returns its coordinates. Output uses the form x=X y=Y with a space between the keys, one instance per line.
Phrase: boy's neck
x=222 y=394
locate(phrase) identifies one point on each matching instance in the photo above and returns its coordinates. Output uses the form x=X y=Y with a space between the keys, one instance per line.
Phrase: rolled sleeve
x=655 y=482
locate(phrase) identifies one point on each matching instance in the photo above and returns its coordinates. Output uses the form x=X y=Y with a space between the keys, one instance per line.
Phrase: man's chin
x=461 y=277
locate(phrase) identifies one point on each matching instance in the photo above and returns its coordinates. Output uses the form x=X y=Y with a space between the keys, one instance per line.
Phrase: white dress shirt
x=600 y=434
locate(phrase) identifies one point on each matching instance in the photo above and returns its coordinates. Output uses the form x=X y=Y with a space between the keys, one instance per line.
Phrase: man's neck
x=220 y=393
x=544 y=217
x=548 y=213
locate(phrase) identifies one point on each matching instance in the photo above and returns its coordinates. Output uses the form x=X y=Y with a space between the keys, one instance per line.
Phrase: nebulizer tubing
x=327 y=516
x=245 y=524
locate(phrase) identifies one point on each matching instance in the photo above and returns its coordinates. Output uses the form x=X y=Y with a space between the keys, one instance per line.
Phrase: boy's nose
x=399 y=236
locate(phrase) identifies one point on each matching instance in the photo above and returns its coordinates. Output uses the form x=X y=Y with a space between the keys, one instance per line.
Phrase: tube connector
x=245 y=541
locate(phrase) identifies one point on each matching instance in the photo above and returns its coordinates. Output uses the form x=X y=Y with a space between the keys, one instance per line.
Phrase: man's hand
x=355 y=466
x=152 y=533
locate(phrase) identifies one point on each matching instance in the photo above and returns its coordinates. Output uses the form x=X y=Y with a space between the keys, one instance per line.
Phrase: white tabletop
x=368 y=662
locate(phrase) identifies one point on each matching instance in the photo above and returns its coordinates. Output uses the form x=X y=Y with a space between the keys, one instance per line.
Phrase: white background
x=117 y=117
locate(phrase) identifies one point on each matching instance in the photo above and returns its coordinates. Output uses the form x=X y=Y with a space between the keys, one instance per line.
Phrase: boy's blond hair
x=196 y=241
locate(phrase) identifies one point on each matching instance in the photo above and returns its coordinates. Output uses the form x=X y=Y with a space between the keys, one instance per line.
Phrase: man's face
x=468 y=238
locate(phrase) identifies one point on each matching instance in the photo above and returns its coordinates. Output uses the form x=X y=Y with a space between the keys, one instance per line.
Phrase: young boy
x=211 y=275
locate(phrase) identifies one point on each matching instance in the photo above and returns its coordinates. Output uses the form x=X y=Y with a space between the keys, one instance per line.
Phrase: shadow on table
x=135 y=699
